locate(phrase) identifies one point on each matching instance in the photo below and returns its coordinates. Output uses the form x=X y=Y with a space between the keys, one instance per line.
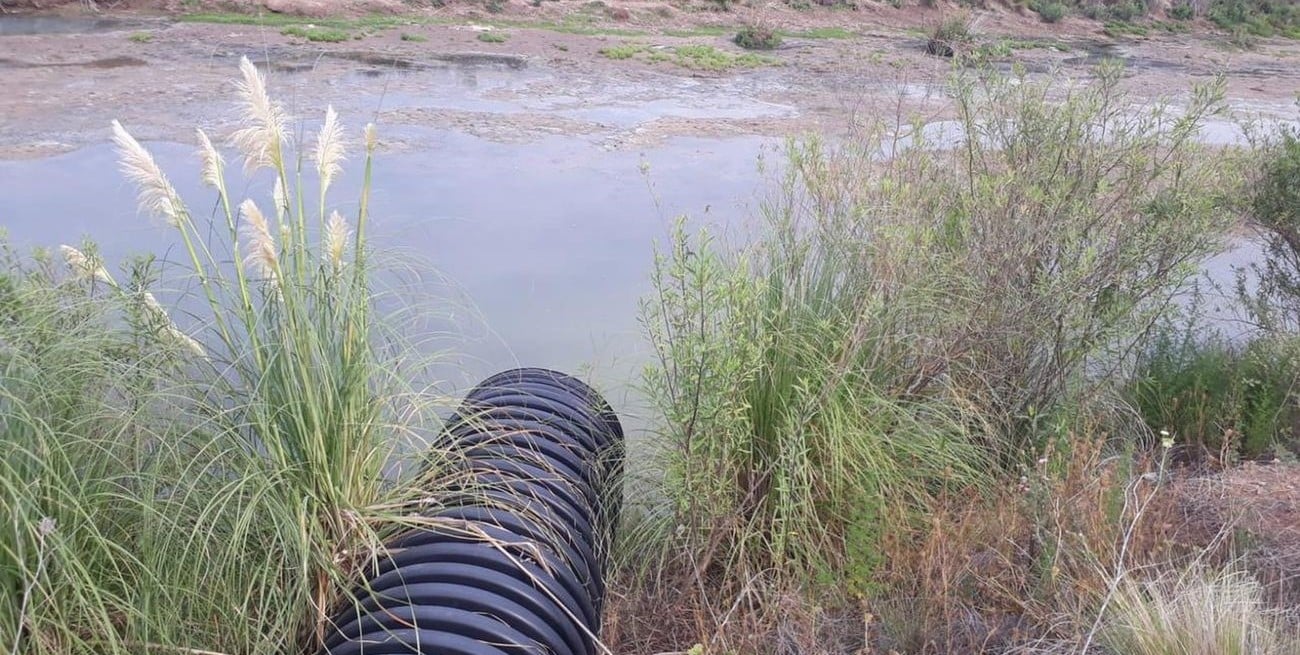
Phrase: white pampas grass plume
x=185 y=339
x=83 y=267
x=213 y=162
x=264 y=121
x=151 y=303
x=168 y=326
x=281 y=199
x=336 y=239
x=372 y=137
x=157 y=196
x=261 y=245
x=329 y=153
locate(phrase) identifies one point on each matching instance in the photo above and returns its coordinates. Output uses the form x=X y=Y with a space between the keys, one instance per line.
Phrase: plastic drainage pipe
x=518 y=566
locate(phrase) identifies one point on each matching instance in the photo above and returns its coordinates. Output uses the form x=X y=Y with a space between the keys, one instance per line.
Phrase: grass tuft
x=317 y=34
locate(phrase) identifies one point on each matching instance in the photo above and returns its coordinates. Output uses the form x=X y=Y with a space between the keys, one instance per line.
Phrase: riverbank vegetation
x=936 y=403
x=943 y=399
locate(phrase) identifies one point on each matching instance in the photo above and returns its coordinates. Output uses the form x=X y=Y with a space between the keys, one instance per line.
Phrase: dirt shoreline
x=164 y=76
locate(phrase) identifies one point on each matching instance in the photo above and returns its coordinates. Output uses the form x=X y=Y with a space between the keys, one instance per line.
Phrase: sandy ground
x=163 y=76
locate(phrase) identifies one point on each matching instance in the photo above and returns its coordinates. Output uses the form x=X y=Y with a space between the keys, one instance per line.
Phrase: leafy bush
x=1182 y=11
x=902 y=318
x=491 y=37
x=1275 y=208
x=949 y=36
x=1256 y=17
x=1051 y=12
x=757 y=37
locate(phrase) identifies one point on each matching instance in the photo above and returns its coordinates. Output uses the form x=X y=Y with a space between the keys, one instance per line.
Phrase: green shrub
x=491 y=37
x=1256 y=17
x=1182 y=11
x=757 y=37
x=1274 y=206
x=1051 y=12
x=903 y=319
x=950 y=36
x=1217 y=398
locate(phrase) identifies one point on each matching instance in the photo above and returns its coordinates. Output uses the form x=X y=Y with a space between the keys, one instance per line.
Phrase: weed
x=624 y=51
x=705 y=57
x=366 y=23
x=950 y=36
x=1196 y=611
x=1274 y=207
x=1182 y=11
x=824 y=33
x=757 y=37
x=317 y=34
x=413 y=38
x=1219 y=400
x=1116 y=29
x=1051 y=12
x=140 y=37
x=492 y=37
x=699 y=30
x=1255 y=17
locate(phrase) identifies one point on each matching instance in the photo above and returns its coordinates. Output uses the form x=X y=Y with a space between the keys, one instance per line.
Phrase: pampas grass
x=156 y=194
x=261 y=138
x=262 y=254
x=218 y=503
x=336 y=239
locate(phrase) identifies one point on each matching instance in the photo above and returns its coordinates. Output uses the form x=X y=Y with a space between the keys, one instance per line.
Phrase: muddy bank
x=68 y=76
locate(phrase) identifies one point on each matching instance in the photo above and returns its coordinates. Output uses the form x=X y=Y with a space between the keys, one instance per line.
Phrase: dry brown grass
x=1023 y=569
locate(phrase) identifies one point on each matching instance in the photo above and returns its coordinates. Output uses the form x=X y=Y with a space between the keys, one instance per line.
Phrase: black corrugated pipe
x=519 y=566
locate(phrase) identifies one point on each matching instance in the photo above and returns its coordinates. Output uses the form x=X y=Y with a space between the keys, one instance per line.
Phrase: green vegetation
x=704 y=57
x=318 y=34
x=950 y=37
x=1197 y=611
x=203 y=485
x=757 y=37
x=1274 y=206
x=698 y=57
x=140 y=37
x=1051 y=12
x=935 y=391
x=414 y=38
x=623 y=51
x=1256 y=17
x=1116 y=29
x=843 y=397
x=1217 y=399
x=822 y=33
x=373 y=22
